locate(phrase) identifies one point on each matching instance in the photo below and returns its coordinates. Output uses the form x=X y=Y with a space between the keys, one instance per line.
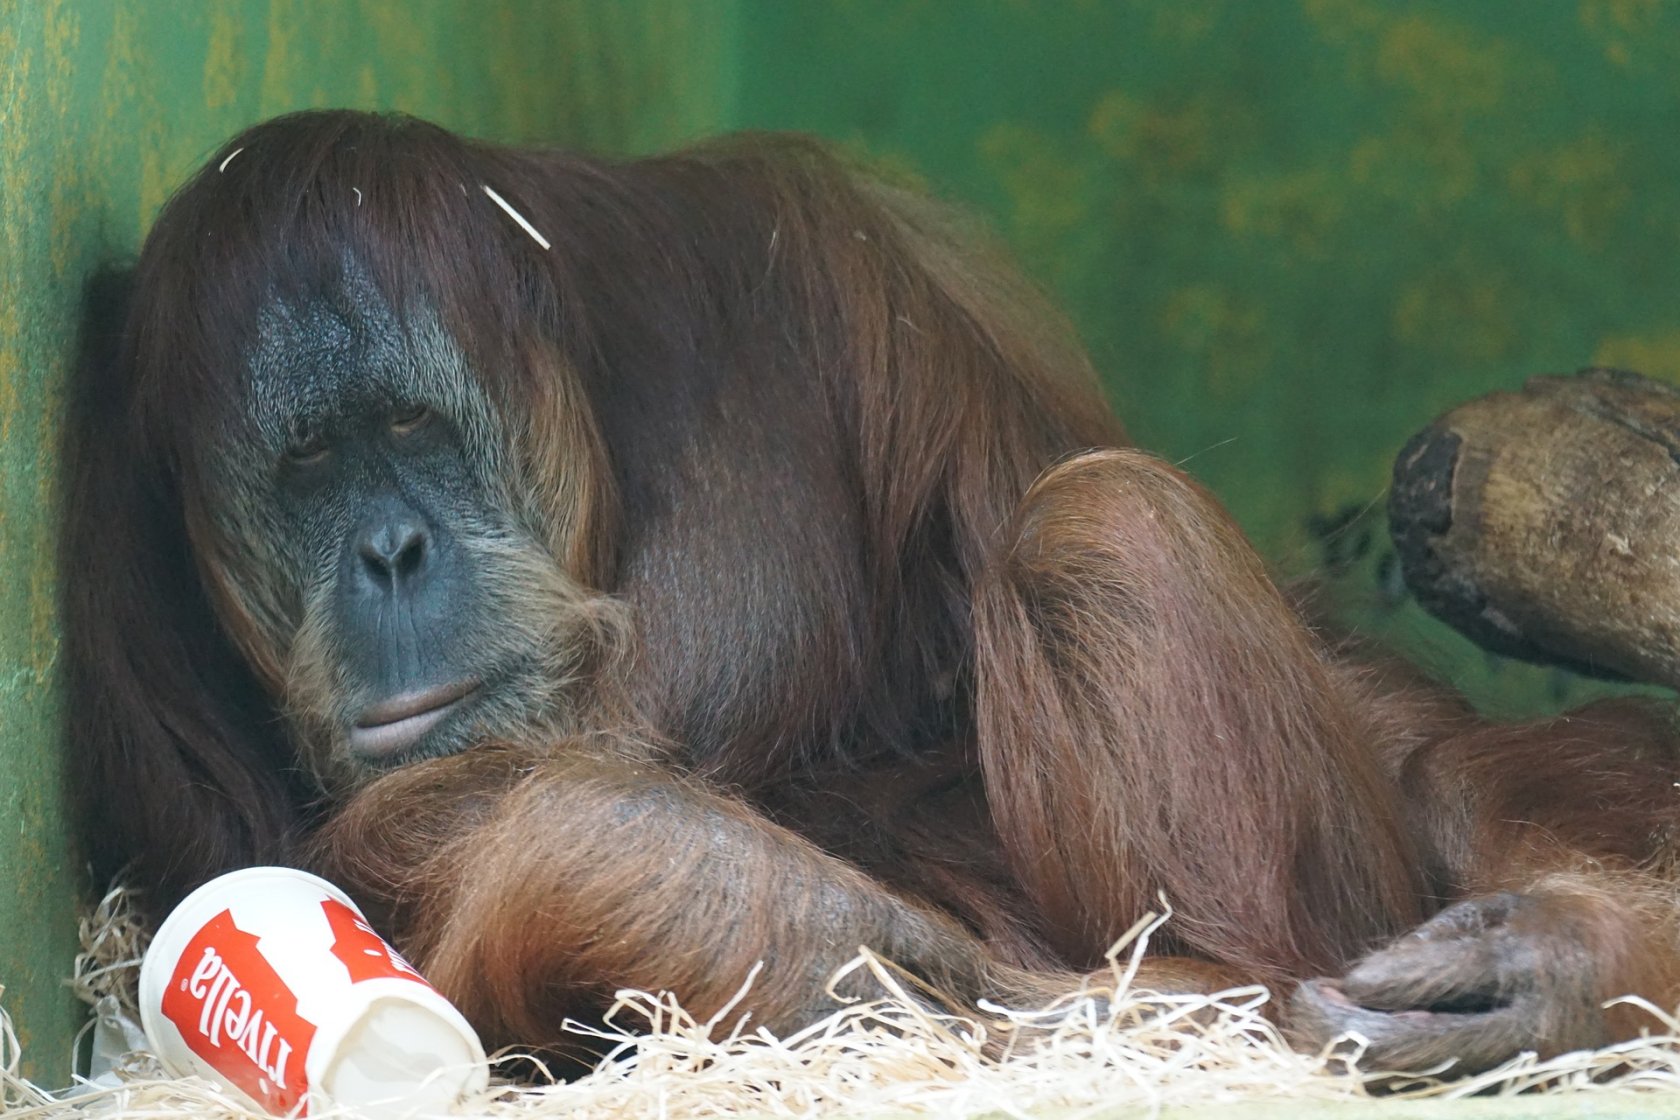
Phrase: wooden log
x=1545 y=524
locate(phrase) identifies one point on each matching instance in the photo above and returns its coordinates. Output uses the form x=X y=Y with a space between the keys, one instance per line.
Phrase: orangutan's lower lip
x=392 y=726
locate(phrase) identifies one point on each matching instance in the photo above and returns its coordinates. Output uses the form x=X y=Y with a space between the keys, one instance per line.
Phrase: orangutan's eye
x=409 y=418
x=307 y=450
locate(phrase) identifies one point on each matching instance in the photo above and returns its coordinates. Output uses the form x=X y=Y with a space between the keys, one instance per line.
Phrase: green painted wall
x=1292 y=231
x=104 y=106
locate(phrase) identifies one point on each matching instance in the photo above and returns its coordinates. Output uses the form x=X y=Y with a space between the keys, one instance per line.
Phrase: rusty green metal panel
x=104 y=106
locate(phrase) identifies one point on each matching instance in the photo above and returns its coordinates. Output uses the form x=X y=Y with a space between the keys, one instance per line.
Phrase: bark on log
x=1545 y=524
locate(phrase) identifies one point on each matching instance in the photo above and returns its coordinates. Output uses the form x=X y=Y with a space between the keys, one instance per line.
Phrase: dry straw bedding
x=1148 y=1055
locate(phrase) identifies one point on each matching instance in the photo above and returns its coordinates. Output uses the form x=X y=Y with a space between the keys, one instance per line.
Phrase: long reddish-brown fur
x=904 y=664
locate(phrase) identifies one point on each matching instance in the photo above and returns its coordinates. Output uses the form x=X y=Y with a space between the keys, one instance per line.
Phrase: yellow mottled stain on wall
x=1049 y=193
x=1344 y=22
x=1161 y=141
x=16 y=78
x=1186 y=22
x=279 y=63
x=1113 y=121
x=224 y=59
x=131 y=138
x=16 y=63
x=11 y=385
x=397 y=34
x=117 y=79
x=1420 y=169
x=156 y=183
x=1446 y=79
x=1304 y=209
x=1656 y=354
x=61 y=33
x=1457 y=315
x=507 y=34
x=1622 y=25
x=1444 y=67
x=11 y=399
x=1221 y=333
x=1581 y=184
x=43 y=593
x=367 y=86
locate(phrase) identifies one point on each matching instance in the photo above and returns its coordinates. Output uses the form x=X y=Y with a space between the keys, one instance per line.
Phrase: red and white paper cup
x=270 y=981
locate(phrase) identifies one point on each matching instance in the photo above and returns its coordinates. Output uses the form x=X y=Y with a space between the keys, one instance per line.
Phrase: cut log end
x=1545 y=524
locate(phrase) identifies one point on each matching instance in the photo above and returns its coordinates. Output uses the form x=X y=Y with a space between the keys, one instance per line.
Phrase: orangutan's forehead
x=344 y=351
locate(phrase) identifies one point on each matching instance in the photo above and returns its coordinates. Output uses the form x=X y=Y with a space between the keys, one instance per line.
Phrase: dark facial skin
x=380 y=483
x=370 y=536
